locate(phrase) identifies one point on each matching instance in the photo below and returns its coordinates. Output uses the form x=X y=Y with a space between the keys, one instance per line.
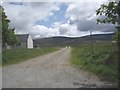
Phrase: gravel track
x=48 y=71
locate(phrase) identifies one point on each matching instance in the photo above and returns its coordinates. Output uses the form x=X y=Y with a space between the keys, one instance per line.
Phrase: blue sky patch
x=58 y=16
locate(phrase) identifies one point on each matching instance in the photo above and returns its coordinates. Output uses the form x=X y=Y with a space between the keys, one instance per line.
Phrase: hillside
x=60 y=41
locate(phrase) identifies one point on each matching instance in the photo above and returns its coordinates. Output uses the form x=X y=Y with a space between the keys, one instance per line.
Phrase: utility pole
x=91 y=40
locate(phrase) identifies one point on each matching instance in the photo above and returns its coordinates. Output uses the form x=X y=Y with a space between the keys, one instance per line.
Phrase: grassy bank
x=103 y=61
x=19 y=55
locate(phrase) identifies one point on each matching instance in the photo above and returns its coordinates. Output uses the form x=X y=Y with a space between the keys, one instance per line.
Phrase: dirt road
x=48 y=71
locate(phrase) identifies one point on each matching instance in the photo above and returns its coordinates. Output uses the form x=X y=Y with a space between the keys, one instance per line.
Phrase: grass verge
x=19 y=55
x=103 y=62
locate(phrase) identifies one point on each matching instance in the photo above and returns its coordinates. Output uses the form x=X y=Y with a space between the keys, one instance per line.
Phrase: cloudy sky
x=47 y=19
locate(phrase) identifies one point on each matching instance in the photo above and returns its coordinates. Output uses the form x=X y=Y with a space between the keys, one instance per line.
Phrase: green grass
x=103 y=62
x=19 y=55
x=0 y=59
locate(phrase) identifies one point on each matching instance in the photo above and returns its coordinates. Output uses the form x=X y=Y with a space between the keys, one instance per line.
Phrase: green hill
x=62 y=41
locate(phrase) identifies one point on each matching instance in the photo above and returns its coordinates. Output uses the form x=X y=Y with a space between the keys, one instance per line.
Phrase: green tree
x=8 y=35
x=112 y=13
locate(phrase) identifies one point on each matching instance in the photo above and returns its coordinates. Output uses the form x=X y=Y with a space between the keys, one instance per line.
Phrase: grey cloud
x=37 y=4
x=71 y=22
x=16 y=3
x=86 y=25
x=101 y=17
x=105 y=27
x=63 y=30
x=83 y=16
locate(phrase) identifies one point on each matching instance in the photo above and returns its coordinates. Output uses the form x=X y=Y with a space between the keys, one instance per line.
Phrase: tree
x=8 y=35
x=112 y=13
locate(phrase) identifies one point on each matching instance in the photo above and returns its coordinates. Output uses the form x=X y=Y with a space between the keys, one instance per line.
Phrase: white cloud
x=37 y=36
x=57 y=30
x=81 y=10
x=43 y=31
x=67 y=29
x=81 y=17
x=51 y=14
x=23 y=17
x=84 y=16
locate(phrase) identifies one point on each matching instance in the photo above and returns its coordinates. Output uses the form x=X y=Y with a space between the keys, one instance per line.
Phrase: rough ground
x=48 y=71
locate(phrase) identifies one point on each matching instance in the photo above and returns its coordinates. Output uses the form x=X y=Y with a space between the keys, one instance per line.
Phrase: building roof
x=22 y=37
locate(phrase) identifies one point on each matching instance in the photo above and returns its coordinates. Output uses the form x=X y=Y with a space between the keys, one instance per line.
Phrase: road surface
x=48 y=71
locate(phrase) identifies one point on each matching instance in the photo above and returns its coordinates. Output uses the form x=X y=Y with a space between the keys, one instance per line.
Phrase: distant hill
x=60 y=40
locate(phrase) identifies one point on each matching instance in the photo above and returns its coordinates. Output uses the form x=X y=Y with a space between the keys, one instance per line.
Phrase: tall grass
x=103 y=61
x=18 y=55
